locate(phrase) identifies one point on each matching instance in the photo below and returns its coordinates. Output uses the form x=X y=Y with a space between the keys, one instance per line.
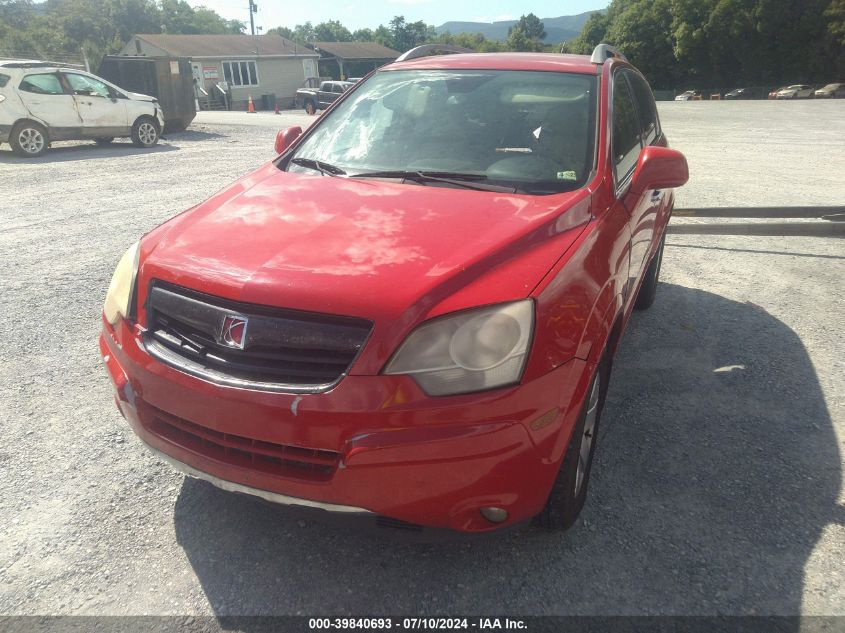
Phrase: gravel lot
x=718 y=482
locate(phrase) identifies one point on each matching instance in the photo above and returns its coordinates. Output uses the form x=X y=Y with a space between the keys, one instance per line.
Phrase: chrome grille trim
x=285 y=350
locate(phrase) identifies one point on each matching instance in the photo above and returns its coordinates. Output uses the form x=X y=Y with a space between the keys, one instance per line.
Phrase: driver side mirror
x=285 y=138
x=659 y=168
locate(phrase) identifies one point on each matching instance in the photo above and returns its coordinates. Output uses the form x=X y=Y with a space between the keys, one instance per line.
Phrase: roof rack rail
x=14 y=63
x=432 y=49
x=603 y=52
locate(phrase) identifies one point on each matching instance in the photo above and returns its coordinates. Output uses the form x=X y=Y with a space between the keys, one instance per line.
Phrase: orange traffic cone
x=250 y=106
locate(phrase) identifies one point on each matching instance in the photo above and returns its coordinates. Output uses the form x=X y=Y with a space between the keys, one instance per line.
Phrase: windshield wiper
x=323 y=168
x=468 y=181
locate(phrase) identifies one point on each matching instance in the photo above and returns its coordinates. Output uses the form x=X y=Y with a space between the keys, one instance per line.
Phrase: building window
x=240 y=73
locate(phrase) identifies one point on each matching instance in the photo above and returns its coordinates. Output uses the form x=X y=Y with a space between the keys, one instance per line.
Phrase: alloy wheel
x=147 y=133
x=31 y=140
x=589 y=434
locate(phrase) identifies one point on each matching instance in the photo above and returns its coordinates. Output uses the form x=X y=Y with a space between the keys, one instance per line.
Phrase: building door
x=199 y=82
x=309 y=67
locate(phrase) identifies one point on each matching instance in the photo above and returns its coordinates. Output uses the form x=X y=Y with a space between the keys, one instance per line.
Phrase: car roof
x=27 y=64
x=500 y=61
x=23 y=65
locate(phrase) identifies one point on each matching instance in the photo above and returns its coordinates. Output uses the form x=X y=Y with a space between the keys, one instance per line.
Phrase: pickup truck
x=313 y=99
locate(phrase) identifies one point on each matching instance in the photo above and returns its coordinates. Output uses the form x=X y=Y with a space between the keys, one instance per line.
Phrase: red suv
x=411 y=313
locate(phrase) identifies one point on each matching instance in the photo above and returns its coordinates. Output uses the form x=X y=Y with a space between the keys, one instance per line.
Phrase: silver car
x=41 y=103
x=831 y=91
x=797 y=91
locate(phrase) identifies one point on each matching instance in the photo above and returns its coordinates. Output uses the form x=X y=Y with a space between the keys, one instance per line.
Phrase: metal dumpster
x=169 y=79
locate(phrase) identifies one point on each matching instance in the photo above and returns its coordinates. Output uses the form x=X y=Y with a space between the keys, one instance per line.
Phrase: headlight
x=119 y=294
x=469 y=351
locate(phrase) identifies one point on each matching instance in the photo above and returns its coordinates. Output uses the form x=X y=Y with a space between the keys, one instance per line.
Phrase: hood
x=137 y=96
x=375 y=249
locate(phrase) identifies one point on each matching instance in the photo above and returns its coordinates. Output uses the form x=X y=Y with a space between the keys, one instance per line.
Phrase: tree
x=129 y=17
x=281 y=30
x=332 y=31
x=304 y=33
x=518 y=40
x=592 y=34
x=526 y=34
x=60 y=30
x=405 y=36
x=383 y=36
x=207 y=21
x=531 y=27
x=363 y=35
x=642 y=30
x=473 y=41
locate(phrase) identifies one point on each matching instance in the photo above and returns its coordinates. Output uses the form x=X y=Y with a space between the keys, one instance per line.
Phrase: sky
x=370 y=13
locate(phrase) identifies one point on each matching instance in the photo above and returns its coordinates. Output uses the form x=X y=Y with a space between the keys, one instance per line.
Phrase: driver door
x=102 y=112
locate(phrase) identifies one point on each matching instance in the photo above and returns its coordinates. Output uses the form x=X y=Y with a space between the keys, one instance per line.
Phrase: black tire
x=648 y=289
x=104 y=140
x=310 y=107
x=569 y=493
x=145 y=132
x=29 y=139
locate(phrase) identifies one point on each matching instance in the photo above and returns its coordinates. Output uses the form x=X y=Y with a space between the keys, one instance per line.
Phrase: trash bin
x=168 y=79
x=268 y=102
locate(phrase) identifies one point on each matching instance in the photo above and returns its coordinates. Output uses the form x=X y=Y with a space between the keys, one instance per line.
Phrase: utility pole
x=253 y=8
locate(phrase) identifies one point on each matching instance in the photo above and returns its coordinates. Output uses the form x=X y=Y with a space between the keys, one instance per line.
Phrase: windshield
x=533 y=131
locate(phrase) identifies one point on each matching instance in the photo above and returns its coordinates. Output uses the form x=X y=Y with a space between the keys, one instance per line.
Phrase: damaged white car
x=41 y=103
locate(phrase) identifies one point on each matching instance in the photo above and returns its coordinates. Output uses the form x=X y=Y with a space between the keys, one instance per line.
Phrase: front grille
x=275 y=459
x=283 y=350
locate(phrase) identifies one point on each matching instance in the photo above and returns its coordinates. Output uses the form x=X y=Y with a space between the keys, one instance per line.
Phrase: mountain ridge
x=559 y=29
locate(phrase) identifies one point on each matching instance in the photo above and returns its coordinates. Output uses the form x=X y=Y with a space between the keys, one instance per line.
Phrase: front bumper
x=401 y=454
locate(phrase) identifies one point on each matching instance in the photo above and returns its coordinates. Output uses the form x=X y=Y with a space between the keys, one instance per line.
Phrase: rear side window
x=626 y=129
x=43 y=84
x=4 y=79
x=646 y=108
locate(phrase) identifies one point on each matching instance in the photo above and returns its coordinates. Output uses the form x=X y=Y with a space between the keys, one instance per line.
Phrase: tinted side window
x=646 y=108
x=626 y=132
x=43 y=84
x=4 y=79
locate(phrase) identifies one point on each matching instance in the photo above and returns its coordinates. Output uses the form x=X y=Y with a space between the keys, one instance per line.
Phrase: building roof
x=357 y=50
x=224 y=45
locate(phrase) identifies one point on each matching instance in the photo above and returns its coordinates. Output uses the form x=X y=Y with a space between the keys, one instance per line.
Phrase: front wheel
x=310 y=107
x=648 y=289
x=29 y=139
x=569 y=491
x=145 y=132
